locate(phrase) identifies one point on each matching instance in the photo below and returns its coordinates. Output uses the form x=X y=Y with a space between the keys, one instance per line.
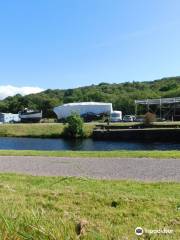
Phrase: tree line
x=121 y=95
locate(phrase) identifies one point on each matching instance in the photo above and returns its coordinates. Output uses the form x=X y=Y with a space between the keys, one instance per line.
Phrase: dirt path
x=144 y=169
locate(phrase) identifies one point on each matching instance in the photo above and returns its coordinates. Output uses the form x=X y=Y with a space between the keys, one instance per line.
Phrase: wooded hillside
x=121 y=95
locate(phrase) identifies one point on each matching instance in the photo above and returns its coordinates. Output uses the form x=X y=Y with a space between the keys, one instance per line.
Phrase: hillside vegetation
x=121 y=95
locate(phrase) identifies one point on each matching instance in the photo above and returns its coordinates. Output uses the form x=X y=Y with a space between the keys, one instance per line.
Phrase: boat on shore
x=28 y=116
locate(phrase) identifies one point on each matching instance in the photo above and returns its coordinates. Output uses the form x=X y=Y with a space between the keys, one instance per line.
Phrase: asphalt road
x=144 y=169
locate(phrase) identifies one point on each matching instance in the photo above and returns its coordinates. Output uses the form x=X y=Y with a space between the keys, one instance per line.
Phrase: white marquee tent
x=81 y=108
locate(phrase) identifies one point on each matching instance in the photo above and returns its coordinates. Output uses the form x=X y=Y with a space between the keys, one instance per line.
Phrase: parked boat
x=30 y=115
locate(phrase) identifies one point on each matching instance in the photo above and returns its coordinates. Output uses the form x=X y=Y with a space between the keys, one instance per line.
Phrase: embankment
x=39 y=130
x=149 y=134
x=121 y=131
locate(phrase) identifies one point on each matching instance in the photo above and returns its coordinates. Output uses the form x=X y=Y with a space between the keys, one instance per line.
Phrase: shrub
x=75 y=125
x=149 y=118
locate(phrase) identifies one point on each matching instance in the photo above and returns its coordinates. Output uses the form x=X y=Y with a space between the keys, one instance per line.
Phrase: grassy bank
x=43 y=130
x=121 y=153
x=51 y=207
x=55 y=130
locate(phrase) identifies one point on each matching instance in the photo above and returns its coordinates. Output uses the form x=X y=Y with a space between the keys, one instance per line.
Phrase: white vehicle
x=129 y=118
x=83 y=108
x=116 y=116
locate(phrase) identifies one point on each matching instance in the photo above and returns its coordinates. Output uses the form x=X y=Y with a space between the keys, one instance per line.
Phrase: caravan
x=116 y=116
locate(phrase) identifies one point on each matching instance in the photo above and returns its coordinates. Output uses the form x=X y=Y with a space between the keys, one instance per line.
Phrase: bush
x=149 y=118
x=75 y=126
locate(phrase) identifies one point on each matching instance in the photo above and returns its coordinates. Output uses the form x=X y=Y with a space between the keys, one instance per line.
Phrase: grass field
x=43 y=130
x=121 y=153
x=51 y=207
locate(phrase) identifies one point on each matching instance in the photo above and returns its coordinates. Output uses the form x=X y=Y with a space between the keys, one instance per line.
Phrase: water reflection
x=86 y=144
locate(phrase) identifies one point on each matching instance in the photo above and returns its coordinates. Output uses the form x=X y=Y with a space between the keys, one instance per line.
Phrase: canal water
x=83 y=145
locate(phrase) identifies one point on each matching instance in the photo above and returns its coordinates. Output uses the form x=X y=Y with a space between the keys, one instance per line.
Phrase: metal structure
x=166 y=108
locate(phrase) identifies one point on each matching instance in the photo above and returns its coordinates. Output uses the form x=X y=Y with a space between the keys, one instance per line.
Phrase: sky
x=71 y=43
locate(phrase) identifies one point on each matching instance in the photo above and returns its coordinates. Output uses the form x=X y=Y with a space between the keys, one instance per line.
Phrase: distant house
x=9 y=117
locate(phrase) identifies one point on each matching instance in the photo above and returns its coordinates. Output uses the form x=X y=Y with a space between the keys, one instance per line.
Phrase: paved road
x=103 y=168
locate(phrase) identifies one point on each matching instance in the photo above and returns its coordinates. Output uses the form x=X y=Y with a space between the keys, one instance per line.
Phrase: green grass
x=121 y=153
x=43 y=130
x=50 y=208
x=55 y=130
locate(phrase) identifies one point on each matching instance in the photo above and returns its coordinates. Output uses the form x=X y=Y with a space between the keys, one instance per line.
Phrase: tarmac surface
x=143 y=169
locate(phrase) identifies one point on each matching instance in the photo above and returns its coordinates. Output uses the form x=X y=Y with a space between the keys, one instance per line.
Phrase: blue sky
x=71 y=43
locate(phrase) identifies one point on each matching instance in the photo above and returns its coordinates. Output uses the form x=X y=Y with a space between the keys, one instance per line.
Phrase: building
x=164 y=108
x=83 y=109
x=9 y=117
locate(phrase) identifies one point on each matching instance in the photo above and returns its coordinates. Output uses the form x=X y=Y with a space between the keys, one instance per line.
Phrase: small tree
x=149 y=118
x=75 y=126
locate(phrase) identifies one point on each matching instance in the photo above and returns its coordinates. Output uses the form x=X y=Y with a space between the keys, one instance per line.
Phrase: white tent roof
x=86 y=103
x=65 y=110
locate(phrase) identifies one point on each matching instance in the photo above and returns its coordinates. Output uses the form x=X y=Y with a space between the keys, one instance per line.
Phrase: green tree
x=75 y=126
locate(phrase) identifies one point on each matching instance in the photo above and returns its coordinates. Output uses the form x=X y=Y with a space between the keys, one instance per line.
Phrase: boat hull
x=31 y=117
x=30 y=120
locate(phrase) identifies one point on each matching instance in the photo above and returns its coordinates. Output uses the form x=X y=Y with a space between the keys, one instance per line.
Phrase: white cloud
x=9 y=90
